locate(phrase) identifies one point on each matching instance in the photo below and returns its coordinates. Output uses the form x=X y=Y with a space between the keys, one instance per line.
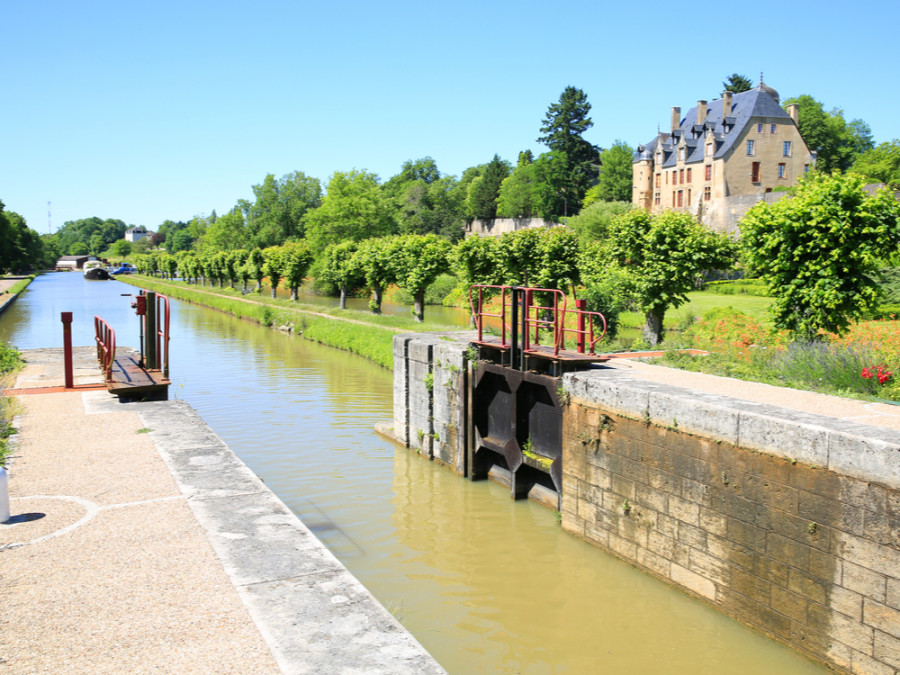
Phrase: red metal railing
x=106 y=346
x=539 y=318
x=479 y=315
x=162 y=333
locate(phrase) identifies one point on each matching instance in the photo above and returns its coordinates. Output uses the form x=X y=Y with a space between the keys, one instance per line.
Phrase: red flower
x=867 y=373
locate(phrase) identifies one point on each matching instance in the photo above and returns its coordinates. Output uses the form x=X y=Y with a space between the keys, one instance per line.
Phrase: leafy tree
x=552 y=197
x=280 y=206
x=255 y=267
x=881 y=164
x=373 y=260
x=20 y=246
x=836 y=142
x=664 y=255
x=737 y=83
x=121 y=248
x=481 y=201
x=339 y=266
x=78 y=248
x=354 y=209
x=426 y=202
x=95 y=244
x=179 y=241
x=516 y=196
x=562 y=129
x=819 y=251
x=595 y=222
x=614 y=183
x=417 y=261
x=273 y=264
x=227 y=233
x=296 y=257
x=480 y=260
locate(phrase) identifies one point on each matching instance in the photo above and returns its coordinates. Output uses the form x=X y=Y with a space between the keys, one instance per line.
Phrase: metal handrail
x=479 y=314
x=536 y=322
x=588 y=332
x=162 y=333
x=105 y=337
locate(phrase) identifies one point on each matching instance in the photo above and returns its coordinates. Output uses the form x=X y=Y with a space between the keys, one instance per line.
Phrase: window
x=751 y=148
x=759 y=128
x=688 y=175
x=656 y=199
x=681 y=198
x=673 y=197
x=681 y=176
x=709 y=149
x=773 y=129
x=787 y=149
x=782 y=169
x=680 y=154
x=806 y=168
x=674 y=176
x=657 y=180
x=689 y=198
x=754 y=172
x=708 y=170
x=707 y=194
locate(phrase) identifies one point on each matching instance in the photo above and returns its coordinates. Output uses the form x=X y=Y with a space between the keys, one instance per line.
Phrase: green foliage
x=20 y=246
x=819 y=251
x=120 y=248
x=836 y=142
x=562 y=129
x=880 y=164
x=516 y=196
x=354 y=209
x=737 y=83
x=339 y=266
x=296 y=257
x=417 y=261
x=614 y=184
x=481 y=200
x=665 y=255
x=273 y=265
x=594 y=222
x=609 y=291
x=278 y=211
x=426 y=202
x=373 y=260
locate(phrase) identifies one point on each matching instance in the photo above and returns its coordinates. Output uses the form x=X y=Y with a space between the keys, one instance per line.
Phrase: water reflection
x=486 y=584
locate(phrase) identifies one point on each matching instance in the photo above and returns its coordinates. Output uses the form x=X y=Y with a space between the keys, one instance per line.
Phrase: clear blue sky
x=166 y=110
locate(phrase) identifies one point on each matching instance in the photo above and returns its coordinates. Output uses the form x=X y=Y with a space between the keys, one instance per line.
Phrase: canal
x=486 y=584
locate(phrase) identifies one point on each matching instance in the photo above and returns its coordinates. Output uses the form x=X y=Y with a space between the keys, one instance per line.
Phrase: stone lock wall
x=788 y=522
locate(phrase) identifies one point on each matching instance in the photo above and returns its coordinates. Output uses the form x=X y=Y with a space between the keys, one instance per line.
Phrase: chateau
x=722 y=158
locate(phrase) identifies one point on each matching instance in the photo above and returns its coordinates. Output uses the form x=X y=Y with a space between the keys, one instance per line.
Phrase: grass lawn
x=701 y=302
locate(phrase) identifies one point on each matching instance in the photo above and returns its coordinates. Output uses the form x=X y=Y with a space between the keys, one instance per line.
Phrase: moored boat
x=95 y=271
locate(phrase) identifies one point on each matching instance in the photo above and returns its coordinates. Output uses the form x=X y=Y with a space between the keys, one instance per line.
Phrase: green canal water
x=486 y=584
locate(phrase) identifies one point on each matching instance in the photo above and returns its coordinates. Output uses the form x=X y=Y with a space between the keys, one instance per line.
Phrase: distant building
x=722 y=157
x=73 y=262
x=134 y=234
x=496 y=226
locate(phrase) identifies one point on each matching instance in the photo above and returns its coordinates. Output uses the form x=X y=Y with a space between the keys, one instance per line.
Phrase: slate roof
x=759 y=102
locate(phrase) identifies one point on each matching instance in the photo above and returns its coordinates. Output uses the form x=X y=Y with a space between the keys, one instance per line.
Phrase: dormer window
x=680 y=154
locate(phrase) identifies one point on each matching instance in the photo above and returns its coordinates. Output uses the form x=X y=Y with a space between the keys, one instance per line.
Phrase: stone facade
x=740 y=145
x=497 y=226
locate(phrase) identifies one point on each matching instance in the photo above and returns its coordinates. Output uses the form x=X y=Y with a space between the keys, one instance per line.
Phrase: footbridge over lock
x=785 y=520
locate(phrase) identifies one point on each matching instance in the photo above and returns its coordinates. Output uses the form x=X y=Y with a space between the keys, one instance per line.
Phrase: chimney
x=794 y=111
x=726 y=104
x=676 y=117
x=701 y=112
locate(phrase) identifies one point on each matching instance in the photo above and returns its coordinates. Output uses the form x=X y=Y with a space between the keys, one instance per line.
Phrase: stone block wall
x=788 y=522
x=429 y=391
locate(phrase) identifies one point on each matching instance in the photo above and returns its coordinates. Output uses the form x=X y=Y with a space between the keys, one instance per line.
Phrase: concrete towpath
x=875 y=414
x=139 y=542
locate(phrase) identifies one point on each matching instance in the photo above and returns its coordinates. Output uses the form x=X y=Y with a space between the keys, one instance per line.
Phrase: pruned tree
x=819 y=250
x=417 y=261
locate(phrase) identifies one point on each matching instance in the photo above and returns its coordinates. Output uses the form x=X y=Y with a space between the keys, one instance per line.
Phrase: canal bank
x=8 y=292
x=139 y=541
x=778 y=507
